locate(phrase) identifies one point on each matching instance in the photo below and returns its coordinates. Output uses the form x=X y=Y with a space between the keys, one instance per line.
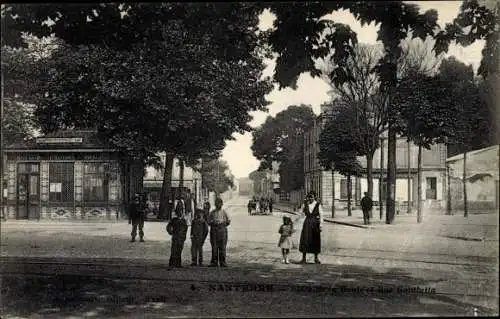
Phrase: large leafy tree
x=171 y=77
x=216 y=176
x=256 y=177
x=281 y=139
x=339 y=146
x=426 y=110
x=472 y=118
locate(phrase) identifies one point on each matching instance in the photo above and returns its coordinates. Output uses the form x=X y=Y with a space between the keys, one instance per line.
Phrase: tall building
x=433 y=172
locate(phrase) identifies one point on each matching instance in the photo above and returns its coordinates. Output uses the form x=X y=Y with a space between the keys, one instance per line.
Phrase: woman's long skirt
x=310 y=237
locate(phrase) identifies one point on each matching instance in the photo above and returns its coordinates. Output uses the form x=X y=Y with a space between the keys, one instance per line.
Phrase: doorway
x=28 y=191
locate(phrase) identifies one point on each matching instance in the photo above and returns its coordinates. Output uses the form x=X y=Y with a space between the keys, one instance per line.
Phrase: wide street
x=55 y=269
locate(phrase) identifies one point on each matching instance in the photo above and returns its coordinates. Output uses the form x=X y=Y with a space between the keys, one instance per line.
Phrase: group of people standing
x=201 y=223
x=215 y=222
x=262 y=205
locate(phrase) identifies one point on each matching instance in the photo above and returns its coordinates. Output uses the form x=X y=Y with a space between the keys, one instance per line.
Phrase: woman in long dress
x=310 y=237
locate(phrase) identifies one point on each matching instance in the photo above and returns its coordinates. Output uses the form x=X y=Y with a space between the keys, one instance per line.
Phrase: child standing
x=177 y=228
x=199 y=232
x=286 y=243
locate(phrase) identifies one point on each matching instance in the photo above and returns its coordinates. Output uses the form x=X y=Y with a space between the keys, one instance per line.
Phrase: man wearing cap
x=136 y=218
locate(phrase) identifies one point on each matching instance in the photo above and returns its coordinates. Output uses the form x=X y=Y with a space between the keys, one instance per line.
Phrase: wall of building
x=482 y=176
x=433 y=166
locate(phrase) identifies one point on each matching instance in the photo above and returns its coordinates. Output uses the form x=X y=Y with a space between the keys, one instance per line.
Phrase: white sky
x=314 y=91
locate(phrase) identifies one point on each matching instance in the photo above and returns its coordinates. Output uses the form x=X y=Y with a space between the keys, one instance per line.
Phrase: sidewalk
x=476 y=227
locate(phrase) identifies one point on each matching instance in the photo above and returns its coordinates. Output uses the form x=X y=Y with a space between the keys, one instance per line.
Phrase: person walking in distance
x=310 y=237
x=218 y=221
x=271 y=205
x=366 y=206
x=199 y=232
x=136 y=218
x=177 y=228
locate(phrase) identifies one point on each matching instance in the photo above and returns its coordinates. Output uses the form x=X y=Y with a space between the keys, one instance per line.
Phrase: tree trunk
x=466 y=213
x=166 y=186
x=349 y=195
x=419 y=187
x=391 y=175
x=369 y=173
x=448 y=199
x=181 y=174
x=381 y=181
x=409 y=197
x=369 y=177
x=333 y=193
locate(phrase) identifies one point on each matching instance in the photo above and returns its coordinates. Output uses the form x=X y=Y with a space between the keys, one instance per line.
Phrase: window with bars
x=61 y=186
x=95 y=182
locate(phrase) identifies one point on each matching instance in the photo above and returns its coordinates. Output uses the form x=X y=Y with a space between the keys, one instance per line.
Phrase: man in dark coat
x=136 y=218
x=310 y=237
x=366 y=206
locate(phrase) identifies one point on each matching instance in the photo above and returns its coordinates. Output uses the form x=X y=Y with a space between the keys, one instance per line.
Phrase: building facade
x=68 y=175
x=482 y=179
x=433 y=173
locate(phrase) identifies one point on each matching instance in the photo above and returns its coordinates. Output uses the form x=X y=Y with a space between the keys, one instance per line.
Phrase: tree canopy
x=216 y=175
x=339 y=145
x=281 y=139
x=150 y=77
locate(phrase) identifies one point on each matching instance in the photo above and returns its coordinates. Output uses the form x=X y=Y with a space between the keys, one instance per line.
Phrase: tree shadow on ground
x=243 y=289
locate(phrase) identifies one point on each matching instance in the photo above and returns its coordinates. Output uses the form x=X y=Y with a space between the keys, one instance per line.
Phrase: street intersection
x=78 y=269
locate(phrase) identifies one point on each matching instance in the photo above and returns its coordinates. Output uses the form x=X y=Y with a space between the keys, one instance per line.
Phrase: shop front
x=67 y=175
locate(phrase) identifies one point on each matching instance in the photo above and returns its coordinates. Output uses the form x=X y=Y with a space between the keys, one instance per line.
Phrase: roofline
x=461 y=156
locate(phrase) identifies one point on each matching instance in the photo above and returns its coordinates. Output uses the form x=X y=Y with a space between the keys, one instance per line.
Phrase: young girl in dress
x=286 y=243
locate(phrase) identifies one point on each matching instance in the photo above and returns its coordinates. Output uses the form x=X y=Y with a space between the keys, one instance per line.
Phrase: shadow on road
x=243 y=289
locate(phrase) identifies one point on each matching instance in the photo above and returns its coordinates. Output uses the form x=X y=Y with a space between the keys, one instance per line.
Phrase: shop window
x=95 y=182
x=61 y=187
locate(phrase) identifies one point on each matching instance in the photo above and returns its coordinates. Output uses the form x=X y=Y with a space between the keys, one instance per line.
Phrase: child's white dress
x=286 y=241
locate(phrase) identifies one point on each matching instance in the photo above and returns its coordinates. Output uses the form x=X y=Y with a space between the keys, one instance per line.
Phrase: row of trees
x=181 y=78
x=302 y=36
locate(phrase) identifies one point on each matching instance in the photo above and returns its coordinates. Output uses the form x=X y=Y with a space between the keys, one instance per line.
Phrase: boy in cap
x=199 y=232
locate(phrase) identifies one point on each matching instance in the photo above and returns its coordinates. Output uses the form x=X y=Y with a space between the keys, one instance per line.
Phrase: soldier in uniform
x=136 y=218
